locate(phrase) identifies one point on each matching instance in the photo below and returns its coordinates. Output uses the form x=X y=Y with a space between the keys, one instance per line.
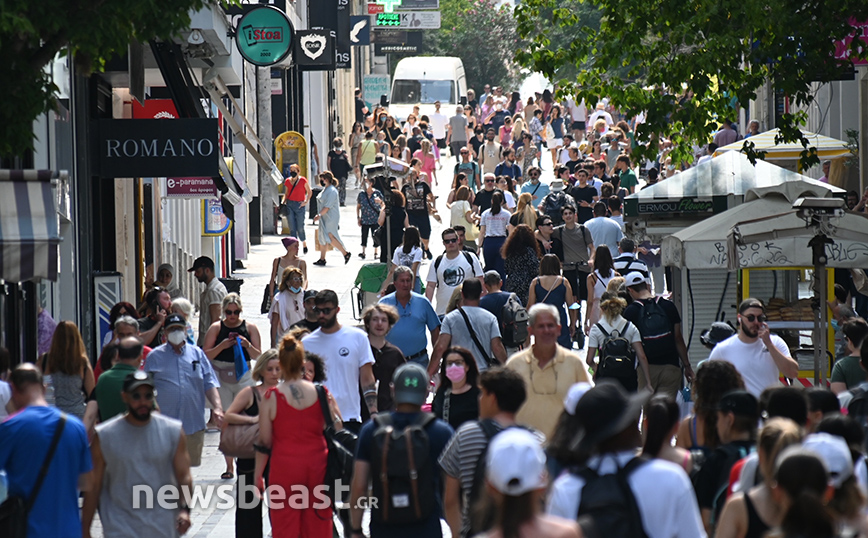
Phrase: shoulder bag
x=488 y=360
x=341 y=448
x=15 y=509
x=267 y=297
x=236 y=440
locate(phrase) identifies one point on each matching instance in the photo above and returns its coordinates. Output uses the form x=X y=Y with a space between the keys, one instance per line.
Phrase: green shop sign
x=264 y=36
x=685 y=205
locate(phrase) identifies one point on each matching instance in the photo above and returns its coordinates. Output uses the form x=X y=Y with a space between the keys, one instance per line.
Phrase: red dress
x=298 y=458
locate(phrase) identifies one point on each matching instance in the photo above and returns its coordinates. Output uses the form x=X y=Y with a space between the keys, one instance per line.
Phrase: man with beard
x=134 y=450
x=758 y=355
x=211 y=299
x=348 y=360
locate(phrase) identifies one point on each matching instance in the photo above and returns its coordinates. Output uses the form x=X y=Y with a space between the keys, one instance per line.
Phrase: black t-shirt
x=476 y=144
x=414 y=143
x=360 y=106
x=462 y=407
x=416 y=196
x=145 y=325
x=664 y=351
x=586 y=193
x=483 y=199
x=386 y=361
x=572 y=165
x=714 y=473
x=309 y=325
x=340 y=164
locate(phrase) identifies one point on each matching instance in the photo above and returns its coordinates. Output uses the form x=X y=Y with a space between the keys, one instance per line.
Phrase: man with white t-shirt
x=438 y=122
x=348 y=361
x=609 y=429
x=757 y=354
x=579 y=117
x=450 y=270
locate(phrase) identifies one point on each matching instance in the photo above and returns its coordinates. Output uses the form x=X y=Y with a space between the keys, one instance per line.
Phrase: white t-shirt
x=577 y=112
x=5 y=396
x=450 y=275
x=438 y=124
x=402 y=258
x=344 y=353
x=495 y=225
x=596 y=336
x=663 y=493
x=753 y=361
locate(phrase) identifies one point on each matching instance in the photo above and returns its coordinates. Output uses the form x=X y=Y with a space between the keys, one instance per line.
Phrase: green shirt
x=108 y=391
x=628 y=179
x=847 y=370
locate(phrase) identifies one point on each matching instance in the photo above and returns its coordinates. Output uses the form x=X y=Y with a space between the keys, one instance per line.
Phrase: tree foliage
x=32 y=33
x=686 y=64
x=483 y=35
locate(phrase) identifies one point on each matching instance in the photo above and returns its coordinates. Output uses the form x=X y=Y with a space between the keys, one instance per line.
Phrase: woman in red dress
x=291 y=425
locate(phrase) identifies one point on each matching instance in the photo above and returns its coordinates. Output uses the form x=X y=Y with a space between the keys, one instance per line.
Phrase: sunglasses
x=139 y=396
x=325 y=311
x=232 y=312
x=450 y=241
x=458 y=362
x=489 y=181
x=546 y=224
x=751 y=318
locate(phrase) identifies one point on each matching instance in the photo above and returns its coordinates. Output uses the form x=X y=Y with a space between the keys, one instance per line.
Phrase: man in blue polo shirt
x=415 y=313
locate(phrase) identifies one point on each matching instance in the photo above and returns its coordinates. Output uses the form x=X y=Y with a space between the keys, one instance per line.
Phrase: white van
x=421 y=80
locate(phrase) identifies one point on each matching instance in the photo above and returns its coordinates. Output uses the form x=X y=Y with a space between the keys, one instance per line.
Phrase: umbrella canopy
x=827 y=147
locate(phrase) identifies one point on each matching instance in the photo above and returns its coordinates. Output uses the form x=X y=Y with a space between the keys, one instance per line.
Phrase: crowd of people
x=465 y=395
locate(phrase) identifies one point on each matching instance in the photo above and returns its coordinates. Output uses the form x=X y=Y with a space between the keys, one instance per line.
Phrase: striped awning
x=827 y=148
x=29 y=236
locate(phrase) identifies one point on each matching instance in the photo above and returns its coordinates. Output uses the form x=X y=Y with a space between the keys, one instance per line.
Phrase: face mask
x=455 y=373
x=382 y=118
x=294 y=289
x=293 y=174
x=835 y=324
x=176 y=338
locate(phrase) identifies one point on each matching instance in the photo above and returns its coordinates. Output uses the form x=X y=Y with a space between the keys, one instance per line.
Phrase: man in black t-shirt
x=665 y=348
x=575 y=159
x=585 y=195
x=482 y=200
x=361 y=108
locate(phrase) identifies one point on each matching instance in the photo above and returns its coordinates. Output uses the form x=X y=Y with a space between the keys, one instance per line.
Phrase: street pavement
x=213 y=522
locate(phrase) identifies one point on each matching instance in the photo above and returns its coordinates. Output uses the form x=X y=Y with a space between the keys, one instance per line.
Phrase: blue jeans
x=296 y=219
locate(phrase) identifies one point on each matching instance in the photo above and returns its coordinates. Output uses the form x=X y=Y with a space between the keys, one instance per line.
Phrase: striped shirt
x=181 y=380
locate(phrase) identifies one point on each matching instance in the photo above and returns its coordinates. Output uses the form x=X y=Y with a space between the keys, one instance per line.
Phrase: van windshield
x=411 y=92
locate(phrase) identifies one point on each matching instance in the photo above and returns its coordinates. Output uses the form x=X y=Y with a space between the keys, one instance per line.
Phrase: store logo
x=263 y=35
x=313 y=46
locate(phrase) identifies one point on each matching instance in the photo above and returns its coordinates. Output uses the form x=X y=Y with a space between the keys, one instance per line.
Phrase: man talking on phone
x=758 y=355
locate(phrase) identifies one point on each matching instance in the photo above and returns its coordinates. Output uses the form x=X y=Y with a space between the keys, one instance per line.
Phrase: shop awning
x=29 y=234
x=827 y=147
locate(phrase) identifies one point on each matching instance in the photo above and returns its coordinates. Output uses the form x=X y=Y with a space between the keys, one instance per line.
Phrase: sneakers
x=362 y=256
x=319 y=262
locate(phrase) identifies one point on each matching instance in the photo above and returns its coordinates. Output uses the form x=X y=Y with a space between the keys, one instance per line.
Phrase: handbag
x=15 y=509
x=266 y=300
x=236 y=440
x=488 y=360
x=341 y=446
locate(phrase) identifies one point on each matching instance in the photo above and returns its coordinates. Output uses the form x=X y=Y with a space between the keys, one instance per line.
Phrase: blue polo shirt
x=541 y=191
x=408 y=334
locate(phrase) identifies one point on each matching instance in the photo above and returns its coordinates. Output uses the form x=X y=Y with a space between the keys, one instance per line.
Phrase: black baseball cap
x=411 y=384
x=175 y=320
x=739 y=402
x=202 y=262
x=310 y=294
x=137 y=379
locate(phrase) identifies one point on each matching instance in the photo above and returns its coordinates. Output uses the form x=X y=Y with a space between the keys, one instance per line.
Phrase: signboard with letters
x=842 y=47
x=407 y=5
x=190 y=187
x=315 y=50
x=373 y=86
x=373 y=9
x=386 y=48
x=411 y=20
x=186 y=147
x=389 y=36
x=264 y=36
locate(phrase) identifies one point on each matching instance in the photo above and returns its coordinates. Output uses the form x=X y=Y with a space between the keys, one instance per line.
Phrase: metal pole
x=822 y=280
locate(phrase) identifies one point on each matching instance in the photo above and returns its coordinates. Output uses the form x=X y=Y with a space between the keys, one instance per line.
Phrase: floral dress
x=520 y=272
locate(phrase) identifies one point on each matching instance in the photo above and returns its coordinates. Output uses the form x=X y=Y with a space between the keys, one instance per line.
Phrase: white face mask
x=176 y=338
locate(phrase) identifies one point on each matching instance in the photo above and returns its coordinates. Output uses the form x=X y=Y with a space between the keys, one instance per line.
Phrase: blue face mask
x=294 y=289
x=835 y=324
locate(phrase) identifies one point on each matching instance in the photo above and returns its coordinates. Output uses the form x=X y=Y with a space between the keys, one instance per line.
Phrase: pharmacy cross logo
x=389 y=5
x=313 y=45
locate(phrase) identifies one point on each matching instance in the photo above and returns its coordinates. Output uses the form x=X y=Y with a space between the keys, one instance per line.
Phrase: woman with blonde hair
x=329 y=217
x=245 y=410
x=612 y=323
x=66 y=369
x=524 y=212
x=291 y=424
x=462 y=212
x=288 y=305
x=427 y=159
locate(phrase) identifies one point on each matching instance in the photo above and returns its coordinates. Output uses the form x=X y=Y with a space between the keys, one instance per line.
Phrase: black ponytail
x=661 y=415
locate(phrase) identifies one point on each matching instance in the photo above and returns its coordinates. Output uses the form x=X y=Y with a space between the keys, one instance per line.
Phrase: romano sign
x=153 y=148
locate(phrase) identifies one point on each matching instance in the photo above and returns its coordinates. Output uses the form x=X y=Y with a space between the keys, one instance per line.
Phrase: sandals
x=227 y=476
x=347 y=257
x=362 y=256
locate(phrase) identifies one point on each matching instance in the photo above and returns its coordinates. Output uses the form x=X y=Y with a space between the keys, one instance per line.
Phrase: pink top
x=428 y=161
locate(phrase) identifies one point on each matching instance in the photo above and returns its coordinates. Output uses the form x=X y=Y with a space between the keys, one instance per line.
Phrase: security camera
x=810 y=208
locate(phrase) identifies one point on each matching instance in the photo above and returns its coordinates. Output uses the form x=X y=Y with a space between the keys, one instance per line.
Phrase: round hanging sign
x=264 y=36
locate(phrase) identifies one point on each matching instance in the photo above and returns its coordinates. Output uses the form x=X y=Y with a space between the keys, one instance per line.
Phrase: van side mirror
x=384 y=101
x=463 y=100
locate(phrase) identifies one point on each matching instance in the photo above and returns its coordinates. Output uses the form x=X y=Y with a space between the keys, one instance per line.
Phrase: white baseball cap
x=633 y=278
x=515 y=463
x=835 y=454
x=574 y=395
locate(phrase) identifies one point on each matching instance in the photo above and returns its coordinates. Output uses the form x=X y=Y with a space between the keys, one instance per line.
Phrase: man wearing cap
x=659 y=325
x=211 y=299
x=548 y=369
x=415 y=314
x=410 y=386
x=184 y=378
x=607 y=441
x=502 y=393
x=25 y=438
x=310 y=321
x=737 y=417
x=136 y=450
x=758 y=355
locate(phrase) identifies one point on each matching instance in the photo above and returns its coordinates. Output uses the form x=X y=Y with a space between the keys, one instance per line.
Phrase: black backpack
x=340 y=165
x=617 y=356
x=439 y=259
x=608 y=507
x=656 y=329
x=513 y=322
x=402 y=472
x=552 y=205
x=857 y=409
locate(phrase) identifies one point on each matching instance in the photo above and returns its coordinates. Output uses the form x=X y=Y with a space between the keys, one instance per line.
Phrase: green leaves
x=687 y=65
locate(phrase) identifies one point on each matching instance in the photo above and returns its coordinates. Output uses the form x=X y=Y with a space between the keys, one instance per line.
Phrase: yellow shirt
x=546 y=387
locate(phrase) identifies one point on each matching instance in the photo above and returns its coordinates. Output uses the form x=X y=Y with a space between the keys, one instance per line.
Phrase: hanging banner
x=314 y=50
